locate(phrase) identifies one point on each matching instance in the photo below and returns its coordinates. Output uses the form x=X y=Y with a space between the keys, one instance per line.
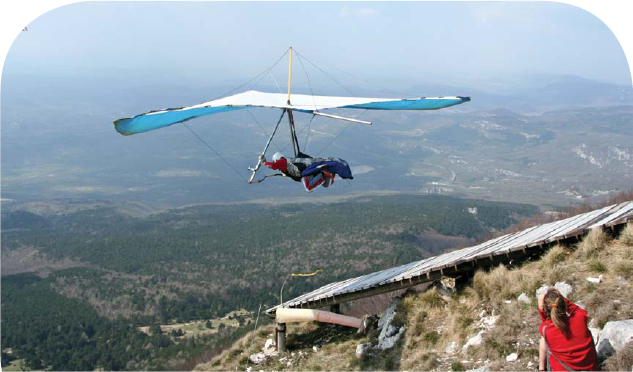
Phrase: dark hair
x=555 y=308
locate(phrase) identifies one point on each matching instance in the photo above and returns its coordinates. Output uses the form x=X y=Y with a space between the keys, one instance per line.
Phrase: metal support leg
x=280 y=333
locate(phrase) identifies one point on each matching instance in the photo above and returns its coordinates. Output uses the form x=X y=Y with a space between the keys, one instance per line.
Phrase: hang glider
x=287 y=103
x=300 y=102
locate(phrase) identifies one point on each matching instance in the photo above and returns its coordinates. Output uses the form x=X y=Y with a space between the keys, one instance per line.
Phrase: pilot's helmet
x=277 y=156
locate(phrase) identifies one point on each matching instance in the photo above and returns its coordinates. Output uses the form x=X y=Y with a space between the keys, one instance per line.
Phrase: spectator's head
x=556 y=309
x=278 y=155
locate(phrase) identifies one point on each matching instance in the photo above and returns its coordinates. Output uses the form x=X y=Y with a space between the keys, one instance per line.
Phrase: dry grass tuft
x=501 y=284
x=593 y=243
x=624 y=268
x=626 y=236
x=431 y=299
x=555 y=255
x=621 y=361
x=597 y=266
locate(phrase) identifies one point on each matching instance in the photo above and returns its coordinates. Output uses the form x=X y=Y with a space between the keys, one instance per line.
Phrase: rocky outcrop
x=564 y=289
x=389 y=332
x=614 y=336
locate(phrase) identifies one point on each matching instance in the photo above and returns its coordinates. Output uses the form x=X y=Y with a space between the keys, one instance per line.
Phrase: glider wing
x=300 y=102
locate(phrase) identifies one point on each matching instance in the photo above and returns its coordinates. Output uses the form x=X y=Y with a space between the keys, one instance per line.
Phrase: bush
x=555 y=255
x=624 y=268
x=431 y=337
x=620 y=361
x=626 y=236
x=501 y=284
x=593 y=243
x=597 y=266
x=431 y=299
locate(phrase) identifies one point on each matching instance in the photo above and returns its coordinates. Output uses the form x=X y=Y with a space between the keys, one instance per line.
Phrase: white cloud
x=367 y=13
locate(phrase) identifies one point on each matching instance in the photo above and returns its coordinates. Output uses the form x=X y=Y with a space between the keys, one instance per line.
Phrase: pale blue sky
x=453 y=43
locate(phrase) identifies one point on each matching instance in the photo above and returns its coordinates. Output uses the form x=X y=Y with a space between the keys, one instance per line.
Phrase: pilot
x=294 y=168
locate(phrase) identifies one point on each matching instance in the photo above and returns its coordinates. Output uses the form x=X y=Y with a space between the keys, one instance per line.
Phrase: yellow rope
x=308 y=274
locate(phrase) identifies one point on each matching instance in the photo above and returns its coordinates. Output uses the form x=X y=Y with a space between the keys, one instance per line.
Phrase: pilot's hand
x=541 y=300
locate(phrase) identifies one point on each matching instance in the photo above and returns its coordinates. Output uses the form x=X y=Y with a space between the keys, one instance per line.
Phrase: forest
x=202 y=262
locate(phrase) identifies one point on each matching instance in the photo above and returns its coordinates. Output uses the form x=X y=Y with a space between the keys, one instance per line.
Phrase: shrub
x=626 y=236
x=431 y=337
x=500 y=283
x=624 y=268
x=457 y=366
x=620 y=361
x=555 y=255
x=597 y=266
x=431 y=299
x=593 y=243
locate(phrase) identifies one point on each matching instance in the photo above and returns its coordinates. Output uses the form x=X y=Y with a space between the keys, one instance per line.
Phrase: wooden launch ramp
x=532 y=241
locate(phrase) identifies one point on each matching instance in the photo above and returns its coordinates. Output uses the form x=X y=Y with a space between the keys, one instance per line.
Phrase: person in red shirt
x=293 y=170
x=566 y=342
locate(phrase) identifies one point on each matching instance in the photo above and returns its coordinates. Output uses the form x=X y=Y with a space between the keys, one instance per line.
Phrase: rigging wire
x=357 y=78
x=305 y=143
x=217 y=153
x=260 y=76
x=261 y=127
x=339 y=134
x=326 y=74
x=275 y=80
x=263 y=73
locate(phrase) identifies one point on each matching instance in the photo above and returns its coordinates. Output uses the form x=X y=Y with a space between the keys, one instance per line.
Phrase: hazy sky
x=413 y=41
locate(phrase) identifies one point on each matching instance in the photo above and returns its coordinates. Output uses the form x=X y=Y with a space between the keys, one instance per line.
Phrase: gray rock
x=614 y=336
x=389 y=313
x=269 y=347
x=362 y=349
x=387 y=341
x=473 y=341
x=451 y=348
x=368 y=322
x=524 y=298
x=257 y=358
x=480 y=369
x=512 y=357
x=564 y=289
x=389 y=333
x=604 y=348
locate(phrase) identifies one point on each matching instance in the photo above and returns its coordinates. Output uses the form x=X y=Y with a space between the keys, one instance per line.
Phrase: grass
x=501 y=284
x=15 y=365
x=554 y=256
x=431 y=337
x=624 y=269
x=434 y=321
x=597 y=266
x=593 y=243
x=626 y=236
x=622 y=360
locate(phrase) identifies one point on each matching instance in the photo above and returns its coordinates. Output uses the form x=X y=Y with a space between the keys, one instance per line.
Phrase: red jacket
x=578 y=351
x=280 y=165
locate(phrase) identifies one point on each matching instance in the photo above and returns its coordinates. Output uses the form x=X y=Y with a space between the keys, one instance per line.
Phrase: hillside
x=128 y=269
x=478 y=326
